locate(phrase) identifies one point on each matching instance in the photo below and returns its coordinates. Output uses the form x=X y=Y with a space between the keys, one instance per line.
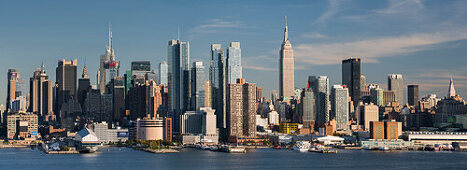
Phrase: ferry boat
x=302 y=146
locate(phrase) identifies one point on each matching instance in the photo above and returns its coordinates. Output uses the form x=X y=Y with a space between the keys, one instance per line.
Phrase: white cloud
x=313 y=35
x=333 y=8
x=370 y=50
x=214 y=25
x=401 y=6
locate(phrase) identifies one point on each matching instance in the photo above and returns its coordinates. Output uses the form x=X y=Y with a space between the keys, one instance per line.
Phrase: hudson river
x=125 y=158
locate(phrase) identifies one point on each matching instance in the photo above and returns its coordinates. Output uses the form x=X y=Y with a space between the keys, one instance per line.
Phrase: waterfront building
x=22 y=126
x=432 y=138
x=66 y=76
x=197 y=85
x=389 y=130
x=241 y=107
x=234 y=62
x=340 y=106
x=178 y=80
x=396 y=84
x=149 y=128
x=106 y=134
x=320 y=87
x=376 y=130
x=218 y=88
x=288 y=128
x=163 y=69
x=286 y=66
x=412 y=96
x=351 y=77
x=191 y=123
x=41 y=93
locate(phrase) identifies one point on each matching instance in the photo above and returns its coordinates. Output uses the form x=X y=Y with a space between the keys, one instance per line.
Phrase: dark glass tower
x=351 y=75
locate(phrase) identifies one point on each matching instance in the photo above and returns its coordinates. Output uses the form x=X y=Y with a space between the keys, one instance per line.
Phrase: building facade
x=286 y=66
x=234 y=62
x=340 y=106
x=351 y=77
x=396 y=84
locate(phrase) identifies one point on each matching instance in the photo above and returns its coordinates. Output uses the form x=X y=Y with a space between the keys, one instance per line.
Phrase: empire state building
x=286 y=66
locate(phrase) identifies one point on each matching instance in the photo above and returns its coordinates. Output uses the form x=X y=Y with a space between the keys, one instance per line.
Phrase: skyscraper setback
x=179 y=79
x=286 y=66
x=351 y=75
x=197 y=85
x=234 y=62
x=218 y=86
x=41 y=98
x=66 y=81
x=109 y=68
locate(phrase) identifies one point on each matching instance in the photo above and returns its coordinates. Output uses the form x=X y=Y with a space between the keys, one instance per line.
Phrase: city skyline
x=427 y=59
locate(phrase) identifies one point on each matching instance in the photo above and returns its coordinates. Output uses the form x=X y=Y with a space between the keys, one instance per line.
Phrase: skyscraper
x=396 y=84
x=320 y=87
x=163 y=73
x=340 y=106
x=109 y=68
x=351 y=77
x=41 y=96
x=451 y=90
x=241 y=117
x=197 y=85
x=84 y=85
x=13 y=77
x=218 y=87
x=308 y=107
x=178 y=79
x=286 y=66
x=234 y=62
x=377 y=96
x=412 y=96
x=66 y=80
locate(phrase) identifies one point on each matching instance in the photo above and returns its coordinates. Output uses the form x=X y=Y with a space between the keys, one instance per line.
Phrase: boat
x=277 y=147
x=236 y=149
x=213 y=147
x=383 y=148
x=302 y=146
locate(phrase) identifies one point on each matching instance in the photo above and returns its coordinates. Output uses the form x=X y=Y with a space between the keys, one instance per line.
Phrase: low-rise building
x=22 y=125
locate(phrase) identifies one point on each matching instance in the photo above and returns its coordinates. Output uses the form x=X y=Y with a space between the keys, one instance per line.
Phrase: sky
x=425 y=41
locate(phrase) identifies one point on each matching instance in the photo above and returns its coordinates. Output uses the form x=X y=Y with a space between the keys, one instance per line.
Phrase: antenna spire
x=178 y=32
x=110 y=35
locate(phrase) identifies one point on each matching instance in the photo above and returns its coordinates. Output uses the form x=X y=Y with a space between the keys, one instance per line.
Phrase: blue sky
x=426 y=41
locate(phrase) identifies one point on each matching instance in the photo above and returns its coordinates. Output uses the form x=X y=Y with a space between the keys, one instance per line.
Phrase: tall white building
x=340 y=106
x=163 y=73
x=286 y=66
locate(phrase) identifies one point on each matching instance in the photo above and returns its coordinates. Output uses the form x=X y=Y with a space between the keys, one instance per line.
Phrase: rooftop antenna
x=178 y=32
